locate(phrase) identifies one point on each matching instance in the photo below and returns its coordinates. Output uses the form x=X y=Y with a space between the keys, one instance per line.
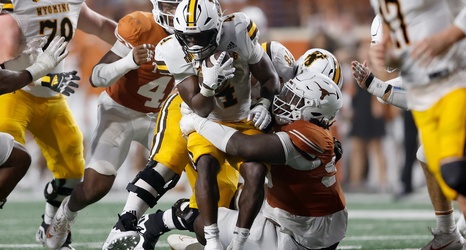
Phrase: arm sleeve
x=217 y=134
x=104 y=75
x=294 y=159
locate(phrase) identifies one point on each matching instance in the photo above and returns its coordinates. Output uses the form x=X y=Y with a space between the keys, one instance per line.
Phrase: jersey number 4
x=65 y=27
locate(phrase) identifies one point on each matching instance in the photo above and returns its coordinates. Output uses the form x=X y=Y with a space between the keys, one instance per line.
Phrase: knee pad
x=186 y=214
x=421 y=154
x=156 y=181
x=57 y=189
x=454 y=174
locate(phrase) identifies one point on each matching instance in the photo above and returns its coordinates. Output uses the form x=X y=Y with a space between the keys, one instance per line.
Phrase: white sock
x=445 y=221
x=240 y=235
x=168 y=217
x=134 y=203
x=49 y=213
x=211 y=233
x=70 y=215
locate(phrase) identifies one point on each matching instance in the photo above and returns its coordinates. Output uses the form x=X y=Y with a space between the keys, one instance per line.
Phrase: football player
x=55 y=131
x=201 y=30
x=14 y=158
x=303 y=171
x=181 y=216
x=393 y=92
x=134 y=93
x=434 y=83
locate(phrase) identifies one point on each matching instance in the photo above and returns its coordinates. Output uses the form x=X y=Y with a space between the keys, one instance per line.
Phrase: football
x=211 y=60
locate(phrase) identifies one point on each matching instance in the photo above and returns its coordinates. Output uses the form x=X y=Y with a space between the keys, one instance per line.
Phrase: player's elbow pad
x=104 y=75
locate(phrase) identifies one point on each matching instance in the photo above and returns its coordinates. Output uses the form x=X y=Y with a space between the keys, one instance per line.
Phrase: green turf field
x=376 y=222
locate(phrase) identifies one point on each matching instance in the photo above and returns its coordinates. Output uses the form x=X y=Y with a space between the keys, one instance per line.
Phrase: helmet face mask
x=201 y=45
x=197 y=26
x=321 y=61
x=164 y=13
x=310 y=97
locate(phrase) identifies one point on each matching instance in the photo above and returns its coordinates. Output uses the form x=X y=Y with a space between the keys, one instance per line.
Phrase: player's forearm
x=270 y=88
x=105 y=74
x=13 y=80
x=202 y=105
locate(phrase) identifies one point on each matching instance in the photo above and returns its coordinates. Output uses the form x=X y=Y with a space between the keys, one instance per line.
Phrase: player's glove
x=62 y=83
x=366 y=80
x=190 y=123
x=337 y=149
x=216 y=75
x=260 y=114
x=28 y=56
x=48 y=60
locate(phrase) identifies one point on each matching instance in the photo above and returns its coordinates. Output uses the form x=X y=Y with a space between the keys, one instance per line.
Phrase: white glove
x=185 y=109
x=28 y=56
x=190 y=123
x=48 y=60
x=361 y=73
x=260 y=114
x=216 y=75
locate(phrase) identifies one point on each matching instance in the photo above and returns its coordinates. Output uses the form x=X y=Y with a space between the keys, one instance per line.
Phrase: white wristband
x=207 y=92
x=104 y=75
x=377 y=87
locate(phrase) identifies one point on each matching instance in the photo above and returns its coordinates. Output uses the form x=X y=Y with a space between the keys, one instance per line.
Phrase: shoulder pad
x=132 y=27
x=309 y=137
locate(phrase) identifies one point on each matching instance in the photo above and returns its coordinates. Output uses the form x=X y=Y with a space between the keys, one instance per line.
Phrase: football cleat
x=445 y=241
x=183 y=242
x=40 y=236
x=149 y=230
x=58 y=230
x=461 y=225
x=124 y=235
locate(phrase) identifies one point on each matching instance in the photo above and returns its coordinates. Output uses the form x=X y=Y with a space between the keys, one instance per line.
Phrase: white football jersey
x=240 y=39
x=413 y=20
x=48 y=18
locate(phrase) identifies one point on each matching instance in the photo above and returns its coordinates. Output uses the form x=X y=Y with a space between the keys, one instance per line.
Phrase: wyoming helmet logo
x=313 y=57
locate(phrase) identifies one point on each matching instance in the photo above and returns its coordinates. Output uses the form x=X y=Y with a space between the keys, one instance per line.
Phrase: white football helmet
x=321 y=61
x=310 y=96
x=198 y=27
x=164 y=13
x=282 y=59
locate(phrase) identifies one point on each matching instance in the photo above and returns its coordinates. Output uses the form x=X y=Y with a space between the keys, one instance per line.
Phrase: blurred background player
x=55 y=132
x=14 y=158
x=445 y=234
